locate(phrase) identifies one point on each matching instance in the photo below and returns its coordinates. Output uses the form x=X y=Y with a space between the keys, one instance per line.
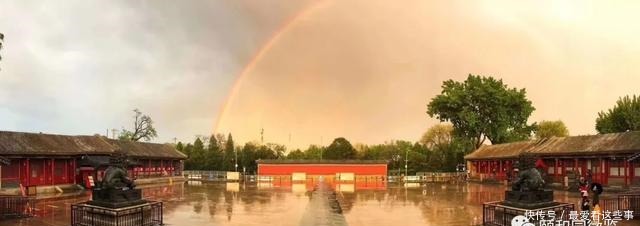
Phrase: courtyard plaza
x=195 y=203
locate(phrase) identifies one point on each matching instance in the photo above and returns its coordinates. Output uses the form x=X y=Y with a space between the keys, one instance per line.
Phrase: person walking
x=585 y=204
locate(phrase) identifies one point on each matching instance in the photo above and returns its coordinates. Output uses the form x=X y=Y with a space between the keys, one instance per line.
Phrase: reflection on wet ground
x=194 y=203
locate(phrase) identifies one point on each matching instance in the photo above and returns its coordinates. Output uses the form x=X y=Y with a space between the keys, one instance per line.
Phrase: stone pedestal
x=529 y=199
x=116 y=198
x=147 y=214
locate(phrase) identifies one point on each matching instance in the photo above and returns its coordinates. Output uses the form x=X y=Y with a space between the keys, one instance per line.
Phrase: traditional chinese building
x=611 y=159
x=322 y=167
x=46 y=160
x=343 y=175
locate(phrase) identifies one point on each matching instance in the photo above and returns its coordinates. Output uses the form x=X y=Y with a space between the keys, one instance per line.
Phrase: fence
x=494 y=214
x=206 y=175
x=16 y=206
x=433 y=177
x=622 y=202
x=149 y=214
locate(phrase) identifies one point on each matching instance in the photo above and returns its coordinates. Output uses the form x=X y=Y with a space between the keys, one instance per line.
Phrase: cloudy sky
x=80 y=67
x=305 y=71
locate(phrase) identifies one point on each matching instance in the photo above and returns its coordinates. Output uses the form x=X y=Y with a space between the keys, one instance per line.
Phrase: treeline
x=478 y=111
x=217 y=152
x=436 y=151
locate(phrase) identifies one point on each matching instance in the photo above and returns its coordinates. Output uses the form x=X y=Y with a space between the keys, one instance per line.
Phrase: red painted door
x=11 y=174
x=60 y=174
x=37 y=172
x=24 y=172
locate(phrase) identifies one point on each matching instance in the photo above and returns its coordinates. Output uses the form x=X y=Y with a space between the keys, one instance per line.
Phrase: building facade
x=343 y=175
x=37 y=160
x=610 y=159
x=322 y=168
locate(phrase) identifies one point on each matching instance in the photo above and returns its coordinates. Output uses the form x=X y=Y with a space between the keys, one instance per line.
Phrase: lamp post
x=406 y=161
x=236 y=158
x=397 y=158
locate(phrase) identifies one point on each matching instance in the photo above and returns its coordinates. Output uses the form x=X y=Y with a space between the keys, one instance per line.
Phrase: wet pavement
x=195 y=203
x=323 y=208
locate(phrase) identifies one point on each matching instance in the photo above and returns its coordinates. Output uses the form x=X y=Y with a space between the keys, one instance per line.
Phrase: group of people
x=586 y=185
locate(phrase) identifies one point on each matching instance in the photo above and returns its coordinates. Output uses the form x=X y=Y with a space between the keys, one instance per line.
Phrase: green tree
x=188 y=164
x=296 y=154
x=314 y=152
x=482 y=108
x=546 y=129
x=441 y=149
x=439 y=134
x=340 y=148
x=228 y=163
x=213 y=155
x=624 y=116
x=248 y=157
x=266 y=152
x=418 y=157
x=375 y=152
x=198 y=154
x=142 y=128
x=277 y=150
x=180 y=146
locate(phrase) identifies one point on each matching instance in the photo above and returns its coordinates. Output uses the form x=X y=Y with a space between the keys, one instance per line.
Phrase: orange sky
x=366 y=70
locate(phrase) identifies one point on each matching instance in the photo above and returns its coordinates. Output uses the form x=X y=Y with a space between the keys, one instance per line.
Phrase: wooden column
x=75 y=170
x=631 y=172
x=556 y=170
x=626 y=172
x=65 y=171
x=28 y=173
x=51 y=172
x=605 y=170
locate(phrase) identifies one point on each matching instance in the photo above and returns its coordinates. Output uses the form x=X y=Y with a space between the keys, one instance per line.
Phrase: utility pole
x=175 y=140
x=262 y=136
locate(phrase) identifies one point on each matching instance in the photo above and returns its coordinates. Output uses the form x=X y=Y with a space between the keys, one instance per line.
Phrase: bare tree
x=142 y=128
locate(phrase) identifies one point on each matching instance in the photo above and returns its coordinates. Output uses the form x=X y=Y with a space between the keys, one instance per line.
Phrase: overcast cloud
x=361 y=69
x=80 y=67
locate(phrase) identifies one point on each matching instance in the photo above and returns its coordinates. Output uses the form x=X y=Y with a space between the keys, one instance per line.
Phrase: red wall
x=322 y=169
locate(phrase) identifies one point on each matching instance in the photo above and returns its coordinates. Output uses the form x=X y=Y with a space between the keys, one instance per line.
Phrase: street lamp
x=406 y=161
x=236 y=158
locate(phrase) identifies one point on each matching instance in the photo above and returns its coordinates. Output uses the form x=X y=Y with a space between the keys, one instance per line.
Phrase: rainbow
x=277 y=34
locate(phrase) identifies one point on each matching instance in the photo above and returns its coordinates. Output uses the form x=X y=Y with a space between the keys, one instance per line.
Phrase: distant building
x=360 y=174
x=612 y=159
x=45 y=160
x=322 y=167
